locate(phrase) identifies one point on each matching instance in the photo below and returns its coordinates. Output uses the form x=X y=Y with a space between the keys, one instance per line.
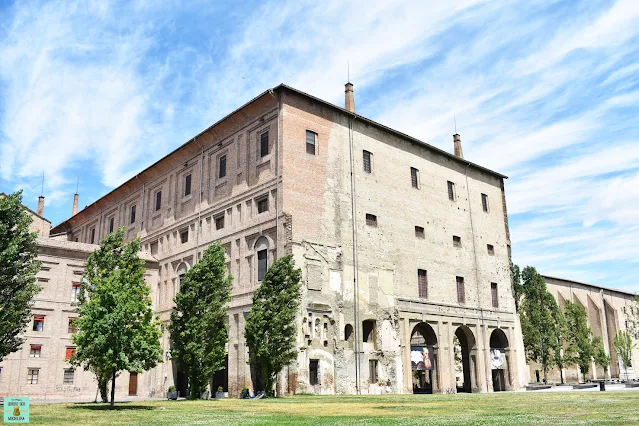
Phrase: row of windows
x=35 y=351
x=422 y=288
x=38 y=324
x=33 y=375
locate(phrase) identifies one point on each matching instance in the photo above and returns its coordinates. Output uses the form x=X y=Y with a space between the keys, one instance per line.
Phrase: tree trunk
x=545 y=374
x=561 y=375
x=103 y=384
x=113 y=389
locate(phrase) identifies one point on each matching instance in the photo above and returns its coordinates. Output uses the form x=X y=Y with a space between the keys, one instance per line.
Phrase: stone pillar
x=40 y=205
x=408 y=373
x=74 y=211
x=458 y=146
x=349 y=102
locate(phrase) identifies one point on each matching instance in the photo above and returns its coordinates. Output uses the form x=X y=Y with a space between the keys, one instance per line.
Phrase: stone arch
x=424 y=359
x=499 y=360
x=466 y=360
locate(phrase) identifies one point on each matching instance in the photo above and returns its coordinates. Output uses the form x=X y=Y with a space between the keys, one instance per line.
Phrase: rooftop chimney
x=458 y=148
x=40 y=205
x=75 y=204
x=349 y=103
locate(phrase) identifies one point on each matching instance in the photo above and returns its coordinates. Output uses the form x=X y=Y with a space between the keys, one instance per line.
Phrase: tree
x=540 y=317
x=631 y=312
x=18 y=269
x=199 y=330
x=270 y=326
x=117 y=329
x=559 y=358
x=580 y=344
x=602 y=359
x=624 y=346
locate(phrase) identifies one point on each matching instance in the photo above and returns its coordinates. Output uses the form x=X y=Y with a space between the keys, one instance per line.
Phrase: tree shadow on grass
x=119 y=406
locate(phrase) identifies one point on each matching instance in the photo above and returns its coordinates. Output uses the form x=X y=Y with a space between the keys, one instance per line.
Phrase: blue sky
x=546 y=92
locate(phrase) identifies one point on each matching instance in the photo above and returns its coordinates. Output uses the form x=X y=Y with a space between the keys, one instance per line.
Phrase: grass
x=506 y=408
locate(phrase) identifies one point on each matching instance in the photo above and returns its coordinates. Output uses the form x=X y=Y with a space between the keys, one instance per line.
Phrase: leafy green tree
x=559 y=358
x=117 y=329
x=199 y=330
x=631 y=312
x=18 y=269
x=624 y=345
x=270 y=326
x=540 y=317
x=602 y=359
x=580 y=343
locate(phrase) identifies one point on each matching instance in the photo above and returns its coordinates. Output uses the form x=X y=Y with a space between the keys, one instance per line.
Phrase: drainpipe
x=199 y=207
x=355 y=259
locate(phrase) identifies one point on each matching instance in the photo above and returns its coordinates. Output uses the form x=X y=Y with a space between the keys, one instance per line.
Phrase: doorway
x=499 y=359
x=133 y=383
x=423 y=359
x=464 y=348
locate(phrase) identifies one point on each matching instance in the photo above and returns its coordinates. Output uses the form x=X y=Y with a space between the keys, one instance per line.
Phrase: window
x=222 y=167
x=69 y=353
x=219 y=222
x=456 y=241
x=184 y=235
x=75 y=292
x=38 y=323
x=154 y=248
x=493 y=292
x=72 y=327
x=414 y=177
x=68 y=376
x=368 y=331
x=32 y=376
x=92 y=239
x=419 y=232
x=348 y=332
x=132 y=218
x=311 y=137
x=372 y=371
x=313 y=371
x=451 y=191
x=371 y=220
x=367 y=162
x=262 y=205
x=262 y=264
x=264 y=144
x=491 y=249
x=484 y=202
x=422 y=283
x=461 y=291
x=111 y=224
x=158 y=200
x=187 y=185
x=35 y=352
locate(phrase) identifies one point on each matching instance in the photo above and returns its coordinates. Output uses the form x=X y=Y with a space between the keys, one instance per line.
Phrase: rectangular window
x=219 y=222
x=262 y=205
x=38 y=323
x=456 y=241
x=371 y=220
x=187 y=185
x=35 y=352
x=72 y=327
x=32 y=376
x=493 y=292
x=422 y=283
x=111 y=225
x=264 y=144
x=184 y=235
x=484 y=202
x=419 y=232
x=158 y=200
x=313 y=372
x=461 y=291
x=132 y=218
x=222 y=167
x=414 y=177
x=491 y=249
x=262 y=260
x=68 y=376
x=92 y=239
x=311 y=138
x=154 y=248
x=75 y=292
x=69 y=353
x=367 y=162
x=451 y=191
x=372 y=371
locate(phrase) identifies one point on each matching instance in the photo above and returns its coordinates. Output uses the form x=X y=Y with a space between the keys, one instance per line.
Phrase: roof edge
x=616 y=290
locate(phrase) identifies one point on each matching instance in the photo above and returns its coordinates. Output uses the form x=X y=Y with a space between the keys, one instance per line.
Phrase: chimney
x=458 y=148
x=349 y=103
x=75 y=204
x=40 y=205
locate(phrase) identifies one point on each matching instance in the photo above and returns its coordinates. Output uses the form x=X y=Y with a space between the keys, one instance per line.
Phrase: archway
x=499 y=360
x=423 y=358
x=465 y=359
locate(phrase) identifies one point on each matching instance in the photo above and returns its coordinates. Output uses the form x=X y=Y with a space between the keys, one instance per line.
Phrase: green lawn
x=507 y=408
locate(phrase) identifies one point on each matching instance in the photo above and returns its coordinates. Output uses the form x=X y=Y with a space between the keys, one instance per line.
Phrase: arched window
x=181 y=271
x=348 y=333
x=261 y=250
